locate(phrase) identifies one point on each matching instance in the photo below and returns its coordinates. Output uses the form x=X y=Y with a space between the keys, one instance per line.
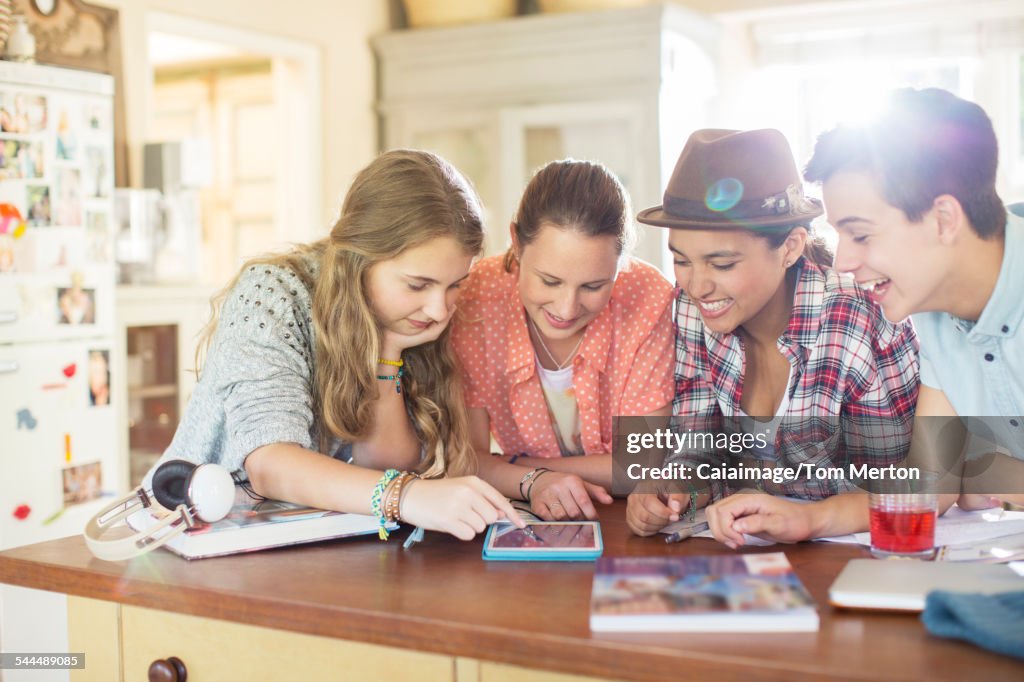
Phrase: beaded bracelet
x=389 y=493
x=393 y=497
x=375 y=501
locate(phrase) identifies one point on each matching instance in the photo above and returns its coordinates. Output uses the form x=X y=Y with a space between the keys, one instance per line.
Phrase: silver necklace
x=540 y=339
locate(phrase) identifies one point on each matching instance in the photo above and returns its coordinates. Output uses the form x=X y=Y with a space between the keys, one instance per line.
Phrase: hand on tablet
x=562 y=497
x=461 y=506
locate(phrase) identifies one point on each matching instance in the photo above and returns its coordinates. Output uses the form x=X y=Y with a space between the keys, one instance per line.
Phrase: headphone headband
x=208 y=493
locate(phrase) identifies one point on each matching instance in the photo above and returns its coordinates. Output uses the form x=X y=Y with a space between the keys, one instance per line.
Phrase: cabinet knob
x=168 y=670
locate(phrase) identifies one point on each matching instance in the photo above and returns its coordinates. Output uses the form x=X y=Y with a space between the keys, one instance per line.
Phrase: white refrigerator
x=58 y=441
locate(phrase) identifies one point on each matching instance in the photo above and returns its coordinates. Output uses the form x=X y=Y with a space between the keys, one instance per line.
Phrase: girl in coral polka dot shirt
x=560 y=335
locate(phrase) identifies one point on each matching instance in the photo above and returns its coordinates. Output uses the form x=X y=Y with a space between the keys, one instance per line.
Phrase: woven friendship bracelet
x=375 y=501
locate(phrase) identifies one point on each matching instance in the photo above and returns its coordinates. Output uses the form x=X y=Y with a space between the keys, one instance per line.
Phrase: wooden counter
x=438 y=611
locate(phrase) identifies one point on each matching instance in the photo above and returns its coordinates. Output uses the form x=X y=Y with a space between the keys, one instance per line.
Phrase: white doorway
x=255 y=100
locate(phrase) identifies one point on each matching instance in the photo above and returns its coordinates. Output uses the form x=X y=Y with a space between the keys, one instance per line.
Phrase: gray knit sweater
x=256 y=386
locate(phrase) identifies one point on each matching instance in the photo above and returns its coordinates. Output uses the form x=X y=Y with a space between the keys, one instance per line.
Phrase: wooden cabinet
x=218 y=650
x=500 y=99
x=121 y=642
x=158 y=329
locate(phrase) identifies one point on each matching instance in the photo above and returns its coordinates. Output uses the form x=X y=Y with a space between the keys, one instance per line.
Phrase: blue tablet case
x=542 y=554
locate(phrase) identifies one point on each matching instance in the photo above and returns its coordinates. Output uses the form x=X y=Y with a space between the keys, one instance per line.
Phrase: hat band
x=790 y=201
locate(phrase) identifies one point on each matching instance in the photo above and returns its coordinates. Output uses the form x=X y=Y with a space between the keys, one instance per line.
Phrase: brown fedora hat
x=734 y=179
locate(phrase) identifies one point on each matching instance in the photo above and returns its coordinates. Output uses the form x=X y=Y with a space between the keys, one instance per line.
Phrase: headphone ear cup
x=211 y=492
x=170 y=483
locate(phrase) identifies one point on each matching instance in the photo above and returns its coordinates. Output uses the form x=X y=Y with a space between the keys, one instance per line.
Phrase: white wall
x=762 y=50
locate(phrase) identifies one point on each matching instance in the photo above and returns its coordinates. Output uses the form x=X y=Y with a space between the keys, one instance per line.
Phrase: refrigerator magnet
x=76 y=305
x=11 y=221
x=82 y=483
x=25 y=419
x=38 y=200
x=99 y=377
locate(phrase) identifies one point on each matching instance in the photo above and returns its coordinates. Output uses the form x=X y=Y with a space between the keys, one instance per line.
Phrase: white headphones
x=197 y=494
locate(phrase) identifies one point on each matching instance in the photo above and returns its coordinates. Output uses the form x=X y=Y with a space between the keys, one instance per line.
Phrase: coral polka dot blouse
x=623 y=367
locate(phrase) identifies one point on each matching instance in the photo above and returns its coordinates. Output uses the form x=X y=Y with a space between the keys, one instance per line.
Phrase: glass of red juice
x=902 y=524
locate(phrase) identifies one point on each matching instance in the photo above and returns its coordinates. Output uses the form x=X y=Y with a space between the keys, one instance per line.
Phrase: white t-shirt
x=769 y=428
x=562 y=407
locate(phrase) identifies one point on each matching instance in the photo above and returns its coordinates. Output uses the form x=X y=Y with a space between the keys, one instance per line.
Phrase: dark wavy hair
x=926 y=144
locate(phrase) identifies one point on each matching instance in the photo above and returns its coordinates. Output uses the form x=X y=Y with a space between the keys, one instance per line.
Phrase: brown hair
x=927 y=143
x=576 y=195
x=815 y=249
x=403 y=199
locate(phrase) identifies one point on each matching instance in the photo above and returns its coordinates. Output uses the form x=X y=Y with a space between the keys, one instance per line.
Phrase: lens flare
x=723 y=194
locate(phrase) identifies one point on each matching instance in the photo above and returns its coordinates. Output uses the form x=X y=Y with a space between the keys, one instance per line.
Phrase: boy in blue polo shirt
x=922 y=228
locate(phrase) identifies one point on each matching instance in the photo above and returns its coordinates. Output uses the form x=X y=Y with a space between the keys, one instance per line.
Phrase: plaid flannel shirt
x=852 y=391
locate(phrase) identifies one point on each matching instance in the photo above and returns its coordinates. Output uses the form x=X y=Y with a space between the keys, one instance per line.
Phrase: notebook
x=902 y=584
x=724 y=593
x=996 y=551
x=252 y=525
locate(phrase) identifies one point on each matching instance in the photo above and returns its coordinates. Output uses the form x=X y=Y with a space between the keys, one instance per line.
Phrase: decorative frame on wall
x=77 y=35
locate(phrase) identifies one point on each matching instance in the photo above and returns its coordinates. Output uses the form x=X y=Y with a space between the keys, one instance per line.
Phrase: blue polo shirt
x=980 y=365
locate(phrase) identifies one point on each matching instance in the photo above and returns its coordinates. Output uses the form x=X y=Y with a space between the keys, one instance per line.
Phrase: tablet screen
x=540 y=536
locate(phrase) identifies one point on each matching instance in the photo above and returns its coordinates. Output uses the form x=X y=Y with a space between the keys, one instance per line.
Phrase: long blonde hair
x=403 y=199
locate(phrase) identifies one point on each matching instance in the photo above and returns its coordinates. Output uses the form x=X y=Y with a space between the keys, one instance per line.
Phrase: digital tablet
x=544 y=541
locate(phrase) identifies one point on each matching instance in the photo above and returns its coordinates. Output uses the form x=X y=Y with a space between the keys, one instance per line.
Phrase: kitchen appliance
x=159 y=237
x=58 y=426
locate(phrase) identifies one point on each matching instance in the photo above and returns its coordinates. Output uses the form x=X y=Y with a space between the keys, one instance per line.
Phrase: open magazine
x=255 y=524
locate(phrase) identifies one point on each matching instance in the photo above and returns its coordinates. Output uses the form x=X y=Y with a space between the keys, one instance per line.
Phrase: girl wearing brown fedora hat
x=772 y=343
x=558 y=337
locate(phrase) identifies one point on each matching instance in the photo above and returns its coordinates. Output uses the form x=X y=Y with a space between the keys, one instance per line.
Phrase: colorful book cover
x=724 y=593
